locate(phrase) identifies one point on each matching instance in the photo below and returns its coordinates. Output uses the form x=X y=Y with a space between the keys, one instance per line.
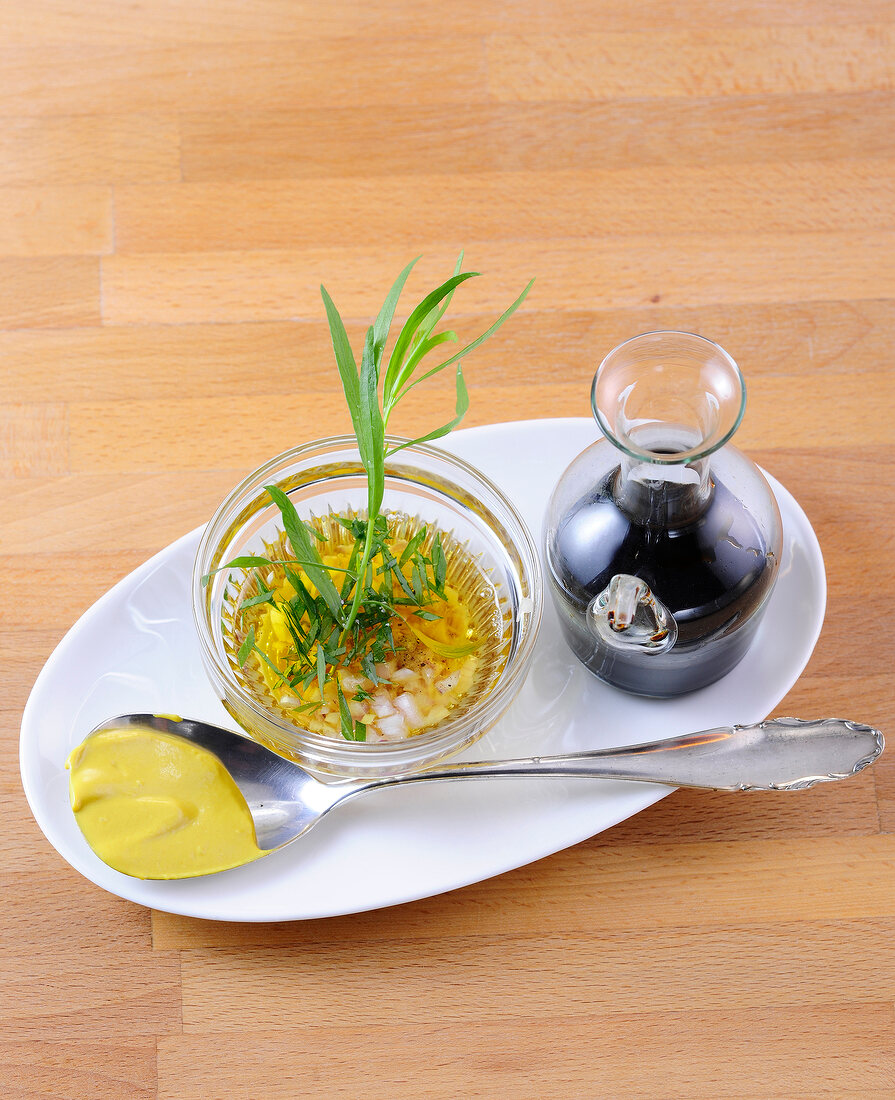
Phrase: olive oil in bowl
x=429 y=642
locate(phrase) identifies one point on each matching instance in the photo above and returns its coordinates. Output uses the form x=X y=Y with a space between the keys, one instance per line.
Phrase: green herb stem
x=366 y=557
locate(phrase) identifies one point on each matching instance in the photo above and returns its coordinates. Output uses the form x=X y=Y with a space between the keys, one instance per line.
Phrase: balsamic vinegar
x=710 y=570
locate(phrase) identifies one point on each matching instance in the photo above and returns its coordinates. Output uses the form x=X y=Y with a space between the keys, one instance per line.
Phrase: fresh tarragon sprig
x=327 y=629
x=369 y=414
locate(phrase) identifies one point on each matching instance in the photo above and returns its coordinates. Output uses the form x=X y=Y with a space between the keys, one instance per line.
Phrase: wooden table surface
x=176 y=180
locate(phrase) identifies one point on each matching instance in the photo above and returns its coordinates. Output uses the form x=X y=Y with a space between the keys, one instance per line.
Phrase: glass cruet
x=662 y=540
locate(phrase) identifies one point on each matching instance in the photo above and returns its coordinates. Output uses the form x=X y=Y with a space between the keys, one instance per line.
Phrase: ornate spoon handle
x=780 y=754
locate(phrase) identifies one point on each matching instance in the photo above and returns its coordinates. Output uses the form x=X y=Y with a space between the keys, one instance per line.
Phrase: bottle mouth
x=668 y=397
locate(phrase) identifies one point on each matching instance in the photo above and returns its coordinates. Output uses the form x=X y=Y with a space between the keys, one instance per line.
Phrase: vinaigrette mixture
x=423 y=640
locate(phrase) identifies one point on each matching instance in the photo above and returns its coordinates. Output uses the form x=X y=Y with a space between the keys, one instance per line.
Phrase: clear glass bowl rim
x=422 y=747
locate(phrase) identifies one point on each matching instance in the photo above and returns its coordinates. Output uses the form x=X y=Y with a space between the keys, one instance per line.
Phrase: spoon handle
x=779 y=754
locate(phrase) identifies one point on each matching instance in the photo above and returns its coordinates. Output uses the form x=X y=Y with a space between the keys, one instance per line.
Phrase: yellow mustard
x=156 y=806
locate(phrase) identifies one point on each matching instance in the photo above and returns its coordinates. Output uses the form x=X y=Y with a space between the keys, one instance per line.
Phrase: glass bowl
x=326 y=477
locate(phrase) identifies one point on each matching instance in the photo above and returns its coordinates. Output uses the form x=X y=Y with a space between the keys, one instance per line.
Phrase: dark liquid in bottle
x=707 y=564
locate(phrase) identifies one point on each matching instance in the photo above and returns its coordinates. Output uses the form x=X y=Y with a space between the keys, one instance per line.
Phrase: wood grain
x=51 y=292
x=89 y=150
x=35 y=440
x=692 y=62
x=229 y=21
x=810 y=196
x=206 y=447
x=176 y=181
x=535 y=1058
x=596 y=135
x=111 y=78
x=687 y=270
x=56 y=221
x=610 y=972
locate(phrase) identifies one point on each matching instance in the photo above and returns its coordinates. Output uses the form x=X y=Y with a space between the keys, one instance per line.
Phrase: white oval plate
x=135 y=651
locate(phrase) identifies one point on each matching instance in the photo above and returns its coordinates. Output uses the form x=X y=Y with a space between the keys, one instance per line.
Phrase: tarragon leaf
x=395 y=375
x=298 y=536
x=321 y=669
x=253 y=601
x=344 y=355
x=369 y=667
x=421 y=350
x=384 y=320
x=460 y=411
x=474 y=343
x=246 y=561
x=371 y=431
x=410 y=548
x=345 y=719
x=402 y=580
x=246 y=648
x=437 y=312
x=439 y=563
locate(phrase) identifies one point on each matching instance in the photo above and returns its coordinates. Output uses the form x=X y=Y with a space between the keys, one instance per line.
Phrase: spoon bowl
x=285 y=801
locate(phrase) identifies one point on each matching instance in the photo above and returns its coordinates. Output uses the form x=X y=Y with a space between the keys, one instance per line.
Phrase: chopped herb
x=246 y=648
x=439 y=564
x=411 y=547
x=321 y=668
x=305 y=708
x=348 y=731
x=253 y=601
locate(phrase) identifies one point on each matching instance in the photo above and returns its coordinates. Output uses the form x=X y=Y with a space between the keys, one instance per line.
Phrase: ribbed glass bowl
x=326 y=477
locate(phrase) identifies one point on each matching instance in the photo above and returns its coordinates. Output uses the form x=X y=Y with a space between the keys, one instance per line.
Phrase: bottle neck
x=656 y=494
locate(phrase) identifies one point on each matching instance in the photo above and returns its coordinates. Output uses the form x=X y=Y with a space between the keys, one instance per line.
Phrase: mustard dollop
x=155 y=806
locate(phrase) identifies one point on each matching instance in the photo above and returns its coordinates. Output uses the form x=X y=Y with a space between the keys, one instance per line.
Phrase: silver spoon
x=780 y=754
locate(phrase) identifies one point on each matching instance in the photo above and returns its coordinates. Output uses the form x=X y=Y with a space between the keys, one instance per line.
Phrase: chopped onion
x=393 y=727
x=449 y=682
x=381 y=704
x=409 y=707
